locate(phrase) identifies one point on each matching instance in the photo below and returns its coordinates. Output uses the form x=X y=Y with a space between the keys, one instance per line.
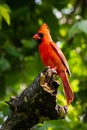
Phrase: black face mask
x=41 y=36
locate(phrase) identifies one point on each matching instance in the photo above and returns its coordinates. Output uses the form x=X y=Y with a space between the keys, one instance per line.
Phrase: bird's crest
x=44 y=28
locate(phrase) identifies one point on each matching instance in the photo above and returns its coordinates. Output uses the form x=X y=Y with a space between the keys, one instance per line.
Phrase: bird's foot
x=48 y=82
x=61 y=111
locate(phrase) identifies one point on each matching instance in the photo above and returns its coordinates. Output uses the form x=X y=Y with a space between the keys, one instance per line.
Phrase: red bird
x=52 y=56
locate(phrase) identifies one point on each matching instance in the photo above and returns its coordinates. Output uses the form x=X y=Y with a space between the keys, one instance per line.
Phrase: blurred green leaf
x=4 y=64
x=78 y=27
x=5 y=13
x=11 y=50
x=52 y=125
x=82 y=25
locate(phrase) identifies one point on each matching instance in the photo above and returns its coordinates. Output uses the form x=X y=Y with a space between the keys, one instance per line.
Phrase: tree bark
x=35 y=104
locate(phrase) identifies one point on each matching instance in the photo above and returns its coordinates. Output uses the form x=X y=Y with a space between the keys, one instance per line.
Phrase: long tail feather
x=67 y=89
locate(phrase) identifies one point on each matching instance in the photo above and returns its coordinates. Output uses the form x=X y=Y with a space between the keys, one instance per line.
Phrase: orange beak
x=36 y=36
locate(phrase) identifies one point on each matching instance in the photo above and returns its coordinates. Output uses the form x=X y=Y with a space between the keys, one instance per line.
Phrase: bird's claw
x=48 y=82
x=61 y=111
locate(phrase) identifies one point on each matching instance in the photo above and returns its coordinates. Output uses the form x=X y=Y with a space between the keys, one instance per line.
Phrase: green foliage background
x=20 y=61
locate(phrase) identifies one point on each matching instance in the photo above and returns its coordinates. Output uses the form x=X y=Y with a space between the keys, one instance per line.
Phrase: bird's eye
x=40 y=34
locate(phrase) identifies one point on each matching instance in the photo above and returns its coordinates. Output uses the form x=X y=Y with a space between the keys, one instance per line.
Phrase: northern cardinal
x=52 y=56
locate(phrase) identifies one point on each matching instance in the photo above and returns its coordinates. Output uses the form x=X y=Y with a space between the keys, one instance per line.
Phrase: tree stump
x=35 y=104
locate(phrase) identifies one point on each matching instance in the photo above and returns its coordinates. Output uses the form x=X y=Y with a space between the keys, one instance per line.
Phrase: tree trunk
x=35 y=104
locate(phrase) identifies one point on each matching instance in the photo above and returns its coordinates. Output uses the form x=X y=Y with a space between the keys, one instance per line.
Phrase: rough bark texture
x=35 y=104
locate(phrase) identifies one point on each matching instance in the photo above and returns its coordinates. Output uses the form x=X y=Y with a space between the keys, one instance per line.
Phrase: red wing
x=61 y=55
